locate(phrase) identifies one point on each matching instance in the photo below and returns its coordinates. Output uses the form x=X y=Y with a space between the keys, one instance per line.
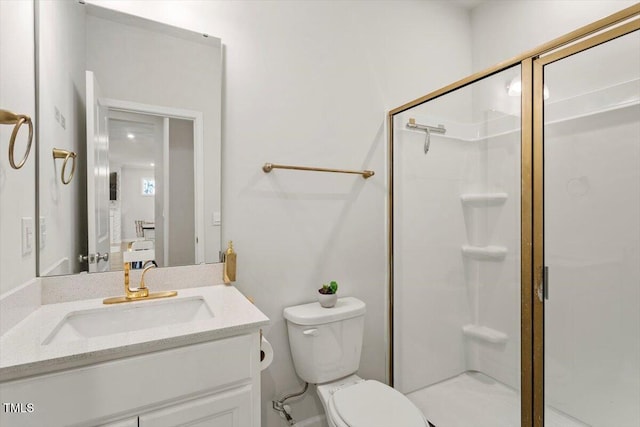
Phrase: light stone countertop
x=22 y=352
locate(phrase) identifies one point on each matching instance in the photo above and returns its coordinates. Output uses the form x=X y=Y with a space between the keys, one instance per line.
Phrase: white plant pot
x=327 y=300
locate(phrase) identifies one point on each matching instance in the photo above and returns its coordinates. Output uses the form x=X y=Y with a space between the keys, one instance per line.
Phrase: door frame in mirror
x=198 y=138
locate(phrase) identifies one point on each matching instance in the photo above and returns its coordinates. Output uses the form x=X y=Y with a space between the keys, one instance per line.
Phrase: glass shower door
x=592 y=236
x=456 y=245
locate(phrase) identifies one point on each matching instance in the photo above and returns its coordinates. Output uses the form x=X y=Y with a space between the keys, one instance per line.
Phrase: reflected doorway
x=151 y=189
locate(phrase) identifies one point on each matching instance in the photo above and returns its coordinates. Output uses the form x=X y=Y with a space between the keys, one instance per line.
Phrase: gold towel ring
x=9 y=118
x=59 y=153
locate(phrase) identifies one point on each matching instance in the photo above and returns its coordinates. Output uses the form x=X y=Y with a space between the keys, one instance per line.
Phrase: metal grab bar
x=268 y=167
x=59 y=153
x=9 y=118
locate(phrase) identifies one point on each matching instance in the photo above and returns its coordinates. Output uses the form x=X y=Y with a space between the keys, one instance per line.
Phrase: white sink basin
x=128 y=317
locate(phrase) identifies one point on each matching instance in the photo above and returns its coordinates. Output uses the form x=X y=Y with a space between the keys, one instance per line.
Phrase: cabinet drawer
x=227 y=409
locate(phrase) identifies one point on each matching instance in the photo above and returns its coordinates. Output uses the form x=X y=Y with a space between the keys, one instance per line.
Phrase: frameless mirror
x=132 y=108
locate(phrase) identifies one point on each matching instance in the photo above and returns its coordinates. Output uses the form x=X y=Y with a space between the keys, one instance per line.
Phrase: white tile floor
x=475 y=400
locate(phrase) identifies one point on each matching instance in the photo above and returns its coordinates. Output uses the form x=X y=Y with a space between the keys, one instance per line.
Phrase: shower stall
x=515 y=238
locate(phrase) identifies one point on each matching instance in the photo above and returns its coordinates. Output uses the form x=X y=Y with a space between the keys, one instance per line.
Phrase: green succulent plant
x=329 y=289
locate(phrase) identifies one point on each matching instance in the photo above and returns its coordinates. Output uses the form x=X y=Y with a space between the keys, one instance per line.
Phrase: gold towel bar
x=9 y=118
x=59 y=153
x=268 y=167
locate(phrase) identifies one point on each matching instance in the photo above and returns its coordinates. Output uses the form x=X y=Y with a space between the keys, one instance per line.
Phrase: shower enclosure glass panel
x=592 y=235
x=456 y=253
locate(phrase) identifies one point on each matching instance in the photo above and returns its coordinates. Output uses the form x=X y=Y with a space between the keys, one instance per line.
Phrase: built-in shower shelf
x=485 y=253
x=485 y=334
x=483 y=199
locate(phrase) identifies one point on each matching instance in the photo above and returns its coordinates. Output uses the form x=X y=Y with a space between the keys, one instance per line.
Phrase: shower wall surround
x=593 y=311
x=592 y=234
x=457 y=238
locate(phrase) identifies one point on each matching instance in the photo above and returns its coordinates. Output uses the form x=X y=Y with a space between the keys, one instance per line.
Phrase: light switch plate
x=43 y=233
x=216 y=218
x=27 y=235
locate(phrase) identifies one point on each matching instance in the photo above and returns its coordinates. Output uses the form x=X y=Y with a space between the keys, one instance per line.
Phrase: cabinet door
x=129 y=422
x=227 y=409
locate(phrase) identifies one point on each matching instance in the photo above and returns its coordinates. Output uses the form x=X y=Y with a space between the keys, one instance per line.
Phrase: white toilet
x=325 y=345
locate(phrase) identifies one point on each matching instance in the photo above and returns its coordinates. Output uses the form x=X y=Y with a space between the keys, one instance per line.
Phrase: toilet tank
x=326 y=342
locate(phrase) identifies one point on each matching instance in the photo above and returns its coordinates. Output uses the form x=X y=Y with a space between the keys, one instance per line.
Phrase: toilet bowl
x=326 y=344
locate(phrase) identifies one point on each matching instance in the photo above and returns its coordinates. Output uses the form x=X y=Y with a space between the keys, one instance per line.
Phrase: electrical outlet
x=27 y=235
x=43 y=233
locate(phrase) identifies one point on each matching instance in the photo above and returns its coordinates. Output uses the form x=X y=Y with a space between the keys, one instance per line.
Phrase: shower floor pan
x=473 y=399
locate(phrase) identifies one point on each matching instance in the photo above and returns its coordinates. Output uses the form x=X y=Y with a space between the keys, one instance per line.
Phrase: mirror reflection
x=151 y=170
x=139 y=103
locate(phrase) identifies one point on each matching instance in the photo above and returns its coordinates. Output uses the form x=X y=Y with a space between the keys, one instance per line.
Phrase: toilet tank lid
x=314 y=314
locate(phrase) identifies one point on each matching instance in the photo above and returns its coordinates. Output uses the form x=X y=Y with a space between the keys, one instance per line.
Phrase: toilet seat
x=373 y=404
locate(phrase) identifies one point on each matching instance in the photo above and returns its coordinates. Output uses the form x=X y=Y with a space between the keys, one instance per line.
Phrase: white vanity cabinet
x=214 y=384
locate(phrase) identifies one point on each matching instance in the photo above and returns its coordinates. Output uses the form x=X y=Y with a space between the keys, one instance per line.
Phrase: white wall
x=309 y=83
x=17 y=187
x=63 y=207
x=504 y=29
x=182 y=197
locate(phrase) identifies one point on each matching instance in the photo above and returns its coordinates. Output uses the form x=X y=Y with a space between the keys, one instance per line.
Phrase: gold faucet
x=139 y=293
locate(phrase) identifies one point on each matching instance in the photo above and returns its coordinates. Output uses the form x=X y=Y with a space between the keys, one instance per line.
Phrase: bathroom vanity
x=192 y=359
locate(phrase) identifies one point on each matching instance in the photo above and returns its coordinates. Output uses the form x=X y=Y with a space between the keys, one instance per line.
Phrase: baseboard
x=317 y=421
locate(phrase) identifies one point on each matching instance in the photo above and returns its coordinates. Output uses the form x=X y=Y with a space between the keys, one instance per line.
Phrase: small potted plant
x=327 y=294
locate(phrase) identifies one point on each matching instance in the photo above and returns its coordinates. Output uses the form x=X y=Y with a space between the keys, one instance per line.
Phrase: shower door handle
x=545 y=282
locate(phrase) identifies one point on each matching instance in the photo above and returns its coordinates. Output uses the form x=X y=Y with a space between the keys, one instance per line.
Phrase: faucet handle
x=149 y=265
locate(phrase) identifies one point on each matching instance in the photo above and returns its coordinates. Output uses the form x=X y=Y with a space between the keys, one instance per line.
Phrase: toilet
x=325 y=345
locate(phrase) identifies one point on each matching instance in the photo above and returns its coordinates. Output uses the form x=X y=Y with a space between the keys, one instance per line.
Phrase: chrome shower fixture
x=428 y=130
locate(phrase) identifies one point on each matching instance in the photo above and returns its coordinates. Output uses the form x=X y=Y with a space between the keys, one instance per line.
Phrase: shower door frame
x=604 y=35
x=532 y=225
